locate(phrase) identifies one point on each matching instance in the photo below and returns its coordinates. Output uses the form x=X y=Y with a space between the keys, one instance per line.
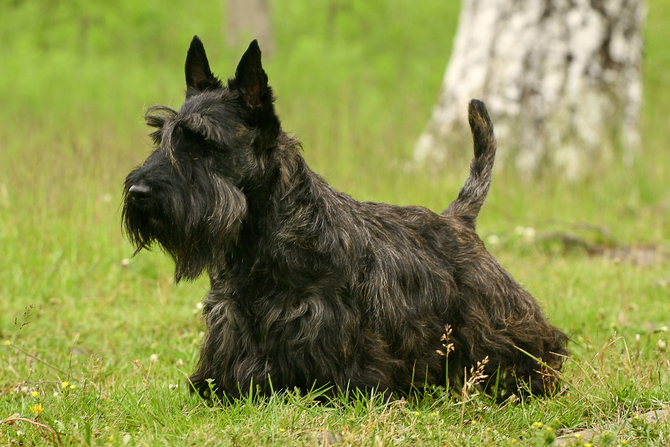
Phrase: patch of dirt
x=579 y=436
x=599 y=241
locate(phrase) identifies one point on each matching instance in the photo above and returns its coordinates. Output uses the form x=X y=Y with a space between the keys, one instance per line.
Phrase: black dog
x=310 y=287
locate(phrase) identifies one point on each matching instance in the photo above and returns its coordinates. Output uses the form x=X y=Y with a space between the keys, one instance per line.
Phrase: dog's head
x=191 y=195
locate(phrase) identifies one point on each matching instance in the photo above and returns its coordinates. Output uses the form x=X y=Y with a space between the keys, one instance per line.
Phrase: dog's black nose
x=139 y=190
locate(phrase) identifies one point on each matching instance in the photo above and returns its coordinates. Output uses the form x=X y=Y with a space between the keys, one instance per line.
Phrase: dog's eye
x=193 y=143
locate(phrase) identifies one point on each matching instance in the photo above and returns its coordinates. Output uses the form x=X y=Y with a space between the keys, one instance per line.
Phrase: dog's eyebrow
x=165 y=120
x=203 y=125
x=158 y=117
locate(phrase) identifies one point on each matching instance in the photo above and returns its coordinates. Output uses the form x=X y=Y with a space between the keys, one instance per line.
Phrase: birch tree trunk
x=561 y=80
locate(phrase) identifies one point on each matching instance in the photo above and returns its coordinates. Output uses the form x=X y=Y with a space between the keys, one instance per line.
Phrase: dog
x=311 y=288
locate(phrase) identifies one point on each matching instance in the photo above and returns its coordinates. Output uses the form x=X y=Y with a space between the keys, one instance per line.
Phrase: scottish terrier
x=311 y=288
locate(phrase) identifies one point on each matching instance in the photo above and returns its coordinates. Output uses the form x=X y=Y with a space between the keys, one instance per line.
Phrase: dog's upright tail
x=473 y=193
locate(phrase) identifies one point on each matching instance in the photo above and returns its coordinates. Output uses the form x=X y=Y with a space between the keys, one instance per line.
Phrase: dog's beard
x=196 y=233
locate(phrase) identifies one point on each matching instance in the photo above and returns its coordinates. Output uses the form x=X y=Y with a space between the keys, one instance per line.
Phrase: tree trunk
x=248 y=20
x=561 y=80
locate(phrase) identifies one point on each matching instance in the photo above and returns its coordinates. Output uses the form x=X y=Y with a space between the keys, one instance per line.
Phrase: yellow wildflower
x=64 y=384
x=37 y=409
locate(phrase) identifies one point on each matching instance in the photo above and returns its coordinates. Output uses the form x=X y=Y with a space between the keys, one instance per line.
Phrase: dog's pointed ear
x=198 y=75
x=251 y=83
x=250 y=78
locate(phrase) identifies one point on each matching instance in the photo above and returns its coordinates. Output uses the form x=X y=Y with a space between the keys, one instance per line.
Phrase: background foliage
x=356 y=81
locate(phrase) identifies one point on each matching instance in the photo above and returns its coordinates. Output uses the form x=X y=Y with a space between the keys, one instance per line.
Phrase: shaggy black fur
x=310 y=287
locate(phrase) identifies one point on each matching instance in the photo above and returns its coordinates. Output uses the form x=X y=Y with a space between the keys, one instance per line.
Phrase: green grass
x=357 y=86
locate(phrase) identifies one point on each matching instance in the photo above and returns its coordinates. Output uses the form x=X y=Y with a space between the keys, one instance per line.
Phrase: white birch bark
x=561 y=80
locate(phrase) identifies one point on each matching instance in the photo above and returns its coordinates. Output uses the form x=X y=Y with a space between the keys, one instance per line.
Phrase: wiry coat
x=310 y=287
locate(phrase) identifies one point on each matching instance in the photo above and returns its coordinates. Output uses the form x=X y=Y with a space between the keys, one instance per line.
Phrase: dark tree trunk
x=248 y=20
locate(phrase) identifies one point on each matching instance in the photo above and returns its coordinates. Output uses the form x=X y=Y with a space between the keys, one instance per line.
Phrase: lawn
x=96 y=344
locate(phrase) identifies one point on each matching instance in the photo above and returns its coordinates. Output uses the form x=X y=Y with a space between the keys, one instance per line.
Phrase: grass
x=357 y=86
